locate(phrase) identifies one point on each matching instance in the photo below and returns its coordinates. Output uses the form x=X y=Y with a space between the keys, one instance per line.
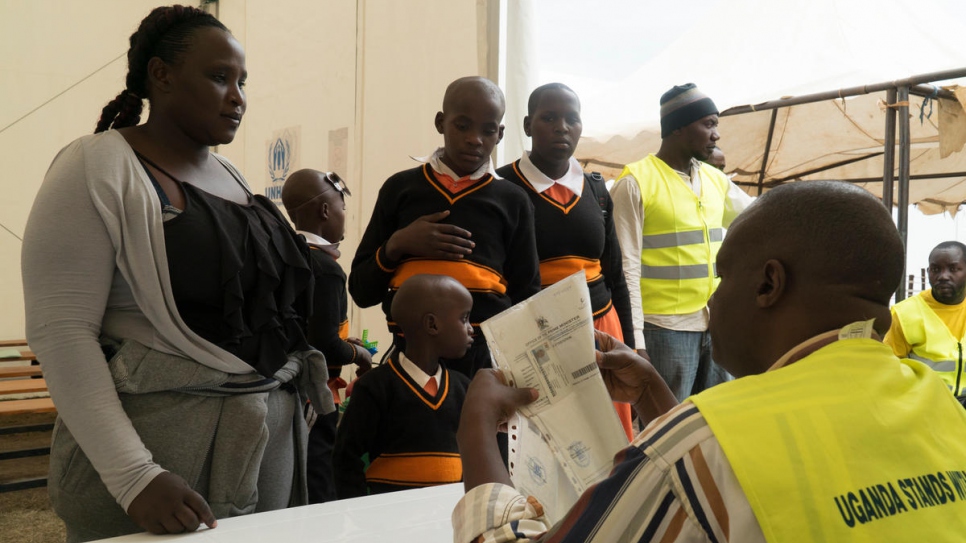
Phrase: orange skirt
x=611 y=324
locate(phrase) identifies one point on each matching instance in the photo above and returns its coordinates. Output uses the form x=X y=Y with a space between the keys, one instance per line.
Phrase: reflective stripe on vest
x=697 y=271
x=677 y=239
x=944 y=365
x=680 y=236
x=847 y=444
x=931 y=341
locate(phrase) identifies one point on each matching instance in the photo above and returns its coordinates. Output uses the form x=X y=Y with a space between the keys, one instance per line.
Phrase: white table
x=420 y=515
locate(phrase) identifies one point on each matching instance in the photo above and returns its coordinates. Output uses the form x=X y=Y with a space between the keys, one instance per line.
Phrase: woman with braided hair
x=167 y=303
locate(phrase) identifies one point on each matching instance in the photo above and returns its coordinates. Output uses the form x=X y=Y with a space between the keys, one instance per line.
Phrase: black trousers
x=320 y=480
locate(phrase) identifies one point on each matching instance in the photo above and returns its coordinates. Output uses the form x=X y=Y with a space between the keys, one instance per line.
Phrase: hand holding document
x=564 y=441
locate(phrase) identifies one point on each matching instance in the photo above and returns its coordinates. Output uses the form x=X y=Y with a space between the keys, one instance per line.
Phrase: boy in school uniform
x=404 y=414
x=453 y=216
x=573 y=214
x=315 y=201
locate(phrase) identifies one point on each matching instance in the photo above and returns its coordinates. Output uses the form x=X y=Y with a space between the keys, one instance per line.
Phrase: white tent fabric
x=751 y=51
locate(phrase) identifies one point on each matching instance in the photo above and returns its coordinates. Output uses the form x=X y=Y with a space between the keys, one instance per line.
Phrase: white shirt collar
x=573 y=179
x=693 y=176
x=314 y=239
x=435 y=163
x=417 y=374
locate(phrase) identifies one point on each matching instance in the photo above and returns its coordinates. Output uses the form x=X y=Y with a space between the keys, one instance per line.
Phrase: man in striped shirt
x=824 y=436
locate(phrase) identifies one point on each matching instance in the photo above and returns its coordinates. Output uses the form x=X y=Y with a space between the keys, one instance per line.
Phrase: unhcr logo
x=282 y=159
x=279 y=160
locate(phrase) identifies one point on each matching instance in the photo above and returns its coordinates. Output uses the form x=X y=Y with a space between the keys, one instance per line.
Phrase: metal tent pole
x=764 y=158
x=903 y=222
x=889 y=156
x=913 y=83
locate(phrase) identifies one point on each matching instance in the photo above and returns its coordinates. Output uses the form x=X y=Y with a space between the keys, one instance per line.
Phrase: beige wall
x=377 y=68
x=46 y=47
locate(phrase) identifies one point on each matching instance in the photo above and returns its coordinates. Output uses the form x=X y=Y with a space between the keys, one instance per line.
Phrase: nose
x=714 y=134
x=474 y=138
x=237 y=96
x=561 y=127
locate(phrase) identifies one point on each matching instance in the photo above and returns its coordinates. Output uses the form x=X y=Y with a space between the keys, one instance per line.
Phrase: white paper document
x=566 y=440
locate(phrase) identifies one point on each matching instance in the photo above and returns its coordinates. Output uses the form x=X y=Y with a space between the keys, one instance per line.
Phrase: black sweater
x=503 y=268
x=328 y=326
x=408 y=435
x=580 y=234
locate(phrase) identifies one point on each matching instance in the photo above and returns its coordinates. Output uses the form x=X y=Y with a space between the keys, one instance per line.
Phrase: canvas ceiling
x=758 y=50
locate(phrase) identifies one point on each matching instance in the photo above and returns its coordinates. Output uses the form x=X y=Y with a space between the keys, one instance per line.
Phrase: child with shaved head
x=315 y=201
x=453 y=216
x=404 y=414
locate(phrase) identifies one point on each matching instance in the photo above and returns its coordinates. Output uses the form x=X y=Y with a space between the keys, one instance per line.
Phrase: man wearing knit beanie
x=670 y=212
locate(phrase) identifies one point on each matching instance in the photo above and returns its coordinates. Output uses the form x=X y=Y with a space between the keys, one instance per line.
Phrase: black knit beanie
x=682 y=105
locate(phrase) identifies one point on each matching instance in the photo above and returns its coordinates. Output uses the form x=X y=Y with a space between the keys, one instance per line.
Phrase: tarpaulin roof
x=754 y=51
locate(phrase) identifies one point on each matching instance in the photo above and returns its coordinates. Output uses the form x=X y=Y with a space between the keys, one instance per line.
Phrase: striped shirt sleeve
x=672 y=484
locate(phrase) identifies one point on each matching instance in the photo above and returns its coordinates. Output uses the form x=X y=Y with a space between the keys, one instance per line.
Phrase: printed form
x=566 y=440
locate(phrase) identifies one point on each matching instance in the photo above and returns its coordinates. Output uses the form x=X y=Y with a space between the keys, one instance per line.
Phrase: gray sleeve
x=68 y=263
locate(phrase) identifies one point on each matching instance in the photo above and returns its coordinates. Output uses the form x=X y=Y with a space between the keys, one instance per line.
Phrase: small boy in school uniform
x=315 y=201
x=404 y=414
x=453 y=216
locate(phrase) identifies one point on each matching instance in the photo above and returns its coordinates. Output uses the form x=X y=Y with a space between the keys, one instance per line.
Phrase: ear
x=324 y=211
x=439 y=122
x=431 y=324
x=772 y=285
x=526 y=125
x=502 y=128
x=159 y=75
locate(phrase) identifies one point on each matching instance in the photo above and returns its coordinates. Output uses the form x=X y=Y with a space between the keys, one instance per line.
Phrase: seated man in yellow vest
x=931 y=327
x=670 y=211
x=825 y=435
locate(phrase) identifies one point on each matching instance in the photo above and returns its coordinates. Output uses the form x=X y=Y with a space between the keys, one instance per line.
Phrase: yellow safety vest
x=680 y=236
x=847 y=444
x=932 y=342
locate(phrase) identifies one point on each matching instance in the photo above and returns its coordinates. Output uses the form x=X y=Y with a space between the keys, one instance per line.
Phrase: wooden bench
x=26 y=355
x=21 y=407
x=33 y=405
x=15 y=379
x=10 y=372
x=23 y=386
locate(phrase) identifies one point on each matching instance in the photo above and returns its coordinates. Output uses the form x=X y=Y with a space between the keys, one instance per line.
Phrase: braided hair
x=165 y=33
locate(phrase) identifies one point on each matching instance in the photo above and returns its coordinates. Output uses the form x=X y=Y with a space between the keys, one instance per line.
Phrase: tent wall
x=357 y=81
x=46 y=47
